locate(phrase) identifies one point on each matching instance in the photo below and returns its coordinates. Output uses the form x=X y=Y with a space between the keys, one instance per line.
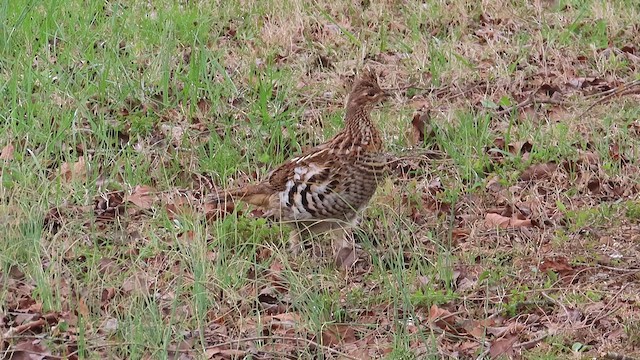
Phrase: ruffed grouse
x=322 y=190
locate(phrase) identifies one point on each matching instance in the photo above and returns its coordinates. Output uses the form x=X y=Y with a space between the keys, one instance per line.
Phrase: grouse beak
x=385 y=95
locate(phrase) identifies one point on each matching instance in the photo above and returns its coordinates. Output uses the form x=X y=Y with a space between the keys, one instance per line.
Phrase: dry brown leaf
x=588 y=157
x=510 y=329
x=468 y=347
x=30 y=349
x=497 y=220
x=538 y=171
x=108 y=205
x=7 y=152
x=142 y=196
x=74 y=171
x=283 y=323
x=502 y=346
x=108 y=266
x=217 y=353
x=83 y=309
x=358 y=351
x=421 y=128
x=516 y=223
x=346 y=257
x=218 y=210
x=138 y=282
x=559 y=265
x=338 y=334
x=204 y=105
x=474 y=328
x=285 y=318
x=459 y=234
x=558 y=113
x=442 y=318
x=614 y=153
x=107 y=294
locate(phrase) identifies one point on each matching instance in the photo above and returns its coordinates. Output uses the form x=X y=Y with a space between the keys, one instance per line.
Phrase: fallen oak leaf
x=217 y=353
x=497 y=220
x=204 y=105
x=7 y=152
x=523 y=148
x=338 y=334
x=614 y=153
x=474 y=328
x=459 y=234
x=108 y=205
x=442 y=318
x=346 y=257
x=588 y=157
x=107 y=294
x=421 y=128
x=517 y=223
x=503 y=346
x=44 y=319
x=142 y=196
x=30 y=349
x=549 y=89
x=502 y=331
x=538 y=171
x=24 y=327
x=73 y=171
x=559 y=265
x=214 y=210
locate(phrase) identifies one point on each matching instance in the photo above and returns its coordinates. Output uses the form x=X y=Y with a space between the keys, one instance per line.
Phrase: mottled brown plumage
x=323 y=189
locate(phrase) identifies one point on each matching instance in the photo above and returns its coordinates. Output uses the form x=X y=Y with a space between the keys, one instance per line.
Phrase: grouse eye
x=371 y=93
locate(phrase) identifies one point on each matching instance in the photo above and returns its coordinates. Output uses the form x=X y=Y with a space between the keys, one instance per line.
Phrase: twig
x=99 y=346
x=616 y=356
x=531 y=342
x=484 y=354
x=24 y=327
x=620 y=90
x=524 y=345
x=41 y=355
x=599 y=94
x=414 y=85
x=599 y=317
x=557 y=303
x=529 y=101
x=629 y=271
x=287 y=338
x=462 y=92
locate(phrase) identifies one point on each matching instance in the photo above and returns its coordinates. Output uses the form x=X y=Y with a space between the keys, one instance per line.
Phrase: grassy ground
x=512 y=231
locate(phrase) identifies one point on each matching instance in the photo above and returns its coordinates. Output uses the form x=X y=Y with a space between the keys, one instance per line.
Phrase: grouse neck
x=361 y=130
